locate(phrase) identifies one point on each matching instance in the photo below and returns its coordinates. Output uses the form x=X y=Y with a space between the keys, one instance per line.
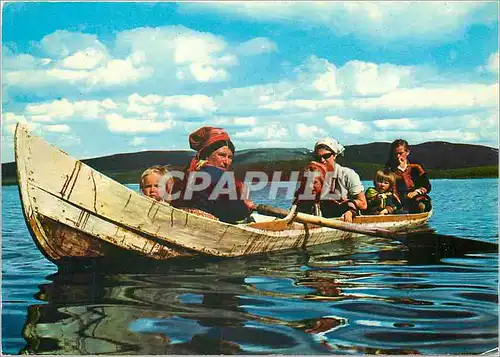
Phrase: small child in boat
x=383 y=199
x=156 y=182
x=314 y=194
x=311 y=184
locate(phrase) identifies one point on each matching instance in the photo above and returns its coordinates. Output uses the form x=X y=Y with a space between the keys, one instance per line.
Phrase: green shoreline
x=364 y=170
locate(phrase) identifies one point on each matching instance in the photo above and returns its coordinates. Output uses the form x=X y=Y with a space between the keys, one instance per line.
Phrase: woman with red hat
x=224 y=196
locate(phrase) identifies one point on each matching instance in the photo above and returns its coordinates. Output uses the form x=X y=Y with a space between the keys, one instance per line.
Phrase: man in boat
x=224 y=197
x=412 y=183
x=156 y=182
x=342 y=193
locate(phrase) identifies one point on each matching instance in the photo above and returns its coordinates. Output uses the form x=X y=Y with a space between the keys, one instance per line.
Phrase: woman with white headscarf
x=343 y=193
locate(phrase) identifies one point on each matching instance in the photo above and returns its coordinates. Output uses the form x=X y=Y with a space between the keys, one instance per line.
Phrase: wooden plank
x=55 y=185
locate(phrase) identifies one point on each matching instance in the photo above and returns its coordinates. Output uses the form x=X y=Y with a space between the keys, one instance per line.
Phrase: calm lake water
x=428 y=294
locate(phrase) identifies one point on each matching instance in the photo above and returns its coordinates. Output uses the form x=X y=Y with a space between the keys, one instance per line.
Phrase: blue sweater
x=222 y=207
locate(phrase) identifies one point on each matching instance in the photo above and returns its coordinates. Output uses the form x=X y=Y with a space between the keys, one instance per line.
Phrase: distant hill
x=433 y=155
x=443 y=159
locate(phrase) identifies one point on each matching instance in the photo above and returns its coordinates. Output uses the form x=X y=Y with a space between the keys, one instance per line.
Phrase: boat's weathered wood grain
x=59 y=189
x=74 y=220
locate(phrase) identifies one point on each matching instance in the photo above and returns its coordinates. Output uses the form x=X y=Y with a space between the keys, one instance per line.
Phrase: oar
x=326 y=222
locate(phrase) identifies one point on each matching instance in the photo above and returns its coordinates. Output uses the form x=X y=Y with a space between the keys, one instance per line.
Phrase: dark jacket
x=412 y=178
x=378 y=201
x=223 y=207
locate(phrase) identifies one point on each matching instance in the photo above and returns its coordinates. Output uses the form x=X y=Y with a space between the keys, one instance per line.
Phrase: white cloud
x=143 y=105
x=326 y=83
x=235 y=100
x=70 y=64
x=66 y=75
x=257 y=46
x=400 y=124
x=304 y=104
x=41 y=118
x=377 y=22
x=93 y=109
x=198 y=104
x=189 y=54
x=86 y=59
x=80 y=63
x=485 y=126
x=62 y=43
x=381 y=97
x=149 y=99
x=309 y=131
x=118 y=124
x=454 y=135
x=193 y=47
x=480 y=127
x=31 y=127
x=319 y=75
x=108 y=104
x=235 y=121
x=56 y=109
x=385 y=99
x=114 y=73
x=12 y=117
x=348 y=126
x=58 y=128
x=245 y=121
x=455 y=97
x=370 y=79
x=28 y=80
x=66 y=110
x=207 y=73
x=493 y=63
x=137 y=141
x=20 y=62
x=273 y=131
x=354 y=77
x=118 y=72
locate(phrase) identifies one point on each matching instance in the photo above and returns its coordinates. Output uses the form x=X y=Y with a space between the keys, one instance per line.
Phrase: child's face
x=316 y=184
x=150 y=186
x=383 y=185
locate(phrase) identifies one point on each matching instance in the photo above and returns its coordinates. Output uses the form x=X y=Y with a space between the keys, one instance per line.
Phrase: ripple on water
x=361 y=296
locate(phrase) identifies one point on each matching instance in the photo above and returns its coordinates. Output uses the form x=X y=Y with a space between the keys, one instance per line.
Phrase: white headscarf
x=331 y=143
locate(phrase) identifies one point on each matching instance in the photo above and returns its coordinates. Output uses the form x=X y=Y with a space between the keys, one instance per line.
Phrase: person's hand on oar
x=252 y=206
x=349 y=215
x=245 y=196
x=351 y=209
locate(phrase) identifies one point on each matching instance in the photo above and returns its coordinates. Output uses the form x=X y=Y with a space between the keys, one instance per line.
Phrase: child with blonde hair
x=156 y=182
x=383 y=199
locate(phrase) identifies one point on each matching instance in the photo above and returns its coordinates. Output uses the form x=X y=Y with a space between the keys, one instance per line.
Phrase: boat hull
x=74 y=211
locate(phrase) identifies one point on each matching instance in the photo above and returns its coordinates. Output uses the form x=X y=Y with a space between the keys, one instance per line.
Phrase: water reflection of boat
x=177 y=310
x=73 y=211
x=301 y=302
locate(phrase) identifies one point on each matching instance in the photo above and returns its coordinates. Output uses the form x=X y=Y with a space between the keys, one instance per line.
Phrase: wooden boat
x=74 y=211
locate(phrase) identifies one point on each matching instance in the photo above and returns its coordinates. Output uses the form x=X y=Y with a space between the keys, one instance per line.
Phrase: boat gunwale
x=22 y=136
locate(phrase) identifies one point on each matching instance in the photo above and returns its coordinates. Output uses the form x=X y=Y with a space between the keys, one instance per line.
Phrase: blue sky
x=104 y=78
